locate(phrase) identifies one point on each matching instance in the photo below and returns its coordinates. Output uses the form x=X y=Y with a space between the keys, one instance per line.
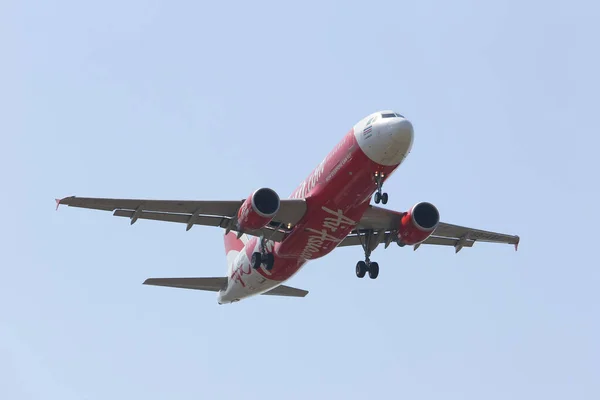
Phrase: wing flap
x=443 y=241
x=377 y=219
x=354 y=240
x=171 y=217
x=211 y=207
x=290 y=210
x=456 y=231
x=269 y=232
x=218 y=213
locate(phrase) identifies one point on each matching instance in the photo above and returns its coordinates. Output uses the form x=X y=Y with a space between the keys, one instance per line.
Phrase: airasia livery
x=268 y=239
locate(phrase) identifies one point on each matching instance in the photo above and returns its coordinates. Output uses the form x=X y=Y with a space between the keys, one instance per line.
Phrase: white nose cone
x=387 y=141
x=401 y=132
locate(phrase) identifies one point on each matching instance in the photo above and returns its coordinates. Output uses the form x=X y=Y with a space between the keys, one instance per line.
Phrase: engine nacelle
x=418 y=223
x=258 y=209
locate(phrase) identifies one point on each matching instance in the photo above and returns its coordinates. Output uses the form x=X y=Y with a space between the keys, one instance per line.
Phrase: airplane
x=269 y=239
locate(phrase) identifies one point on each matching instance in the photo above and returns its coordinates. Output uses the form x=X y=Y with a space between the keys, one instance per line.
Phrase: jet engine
x=418 y=223
x=258 y=209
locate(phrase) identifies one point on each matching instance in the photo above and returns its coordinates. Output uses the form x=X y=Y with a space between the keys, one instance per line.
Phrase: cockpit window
x=391 y=115
x=372 y=120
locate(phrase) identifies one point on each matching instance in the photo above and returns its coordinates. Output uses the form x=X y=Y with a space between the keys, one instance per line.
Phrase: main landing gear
x=362 y=267
x=380 y=197
x=368 y=245
x=262 y=257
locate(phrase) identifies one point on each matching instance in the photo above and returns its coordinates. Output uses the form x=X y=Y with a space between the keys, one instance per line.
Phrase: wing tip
x=61 y=201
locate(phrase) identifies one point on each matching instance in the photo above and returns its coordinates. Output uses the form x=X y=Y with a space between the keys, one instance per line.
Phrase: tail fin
x=233 y=246
x=232 y=243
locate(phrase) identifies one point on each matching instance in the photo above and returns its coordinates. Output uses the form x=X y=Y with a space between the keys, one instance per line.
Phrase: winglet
x=57 y=203
x=517 y=243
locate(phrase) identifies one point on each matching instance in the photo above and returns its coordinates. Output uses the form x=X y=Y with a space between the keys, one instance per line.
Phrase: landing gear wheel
x=373 y=270
x=361 y=269
x=256 y=260
x=380 y=197
x=269 y=259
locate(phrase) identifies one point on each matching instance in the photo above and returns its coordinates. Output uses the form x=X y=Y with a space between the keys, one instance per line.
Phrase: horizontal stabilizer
x=283 y=290
x=210 y=284
x=216 y=284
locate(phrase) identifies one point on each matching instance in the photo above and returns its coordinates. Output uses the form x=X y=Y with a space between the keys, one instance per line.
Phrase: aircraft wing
x=384 y=223
x=220 y=213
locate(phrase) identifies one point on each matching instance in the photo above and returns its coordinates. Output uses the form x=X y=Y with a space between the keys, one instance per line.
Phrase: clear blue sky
x=210 y=100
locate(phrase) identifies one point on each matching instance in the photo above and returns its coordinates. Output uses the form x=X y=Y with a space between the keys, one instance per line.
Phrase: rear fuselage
x=337 y=193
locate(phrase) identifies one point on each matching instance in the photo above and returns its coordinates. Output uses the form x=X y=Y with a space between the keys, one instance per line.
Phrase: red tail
x=232 y=242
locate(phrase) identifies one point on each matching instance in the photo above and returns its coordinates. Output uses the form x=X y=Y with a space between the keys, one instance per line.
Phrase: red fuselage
x=337 y=193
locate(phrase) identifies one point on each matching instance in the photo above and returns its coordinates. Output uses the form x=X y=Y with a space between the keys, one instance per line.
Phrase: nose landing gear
x=379 y=196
